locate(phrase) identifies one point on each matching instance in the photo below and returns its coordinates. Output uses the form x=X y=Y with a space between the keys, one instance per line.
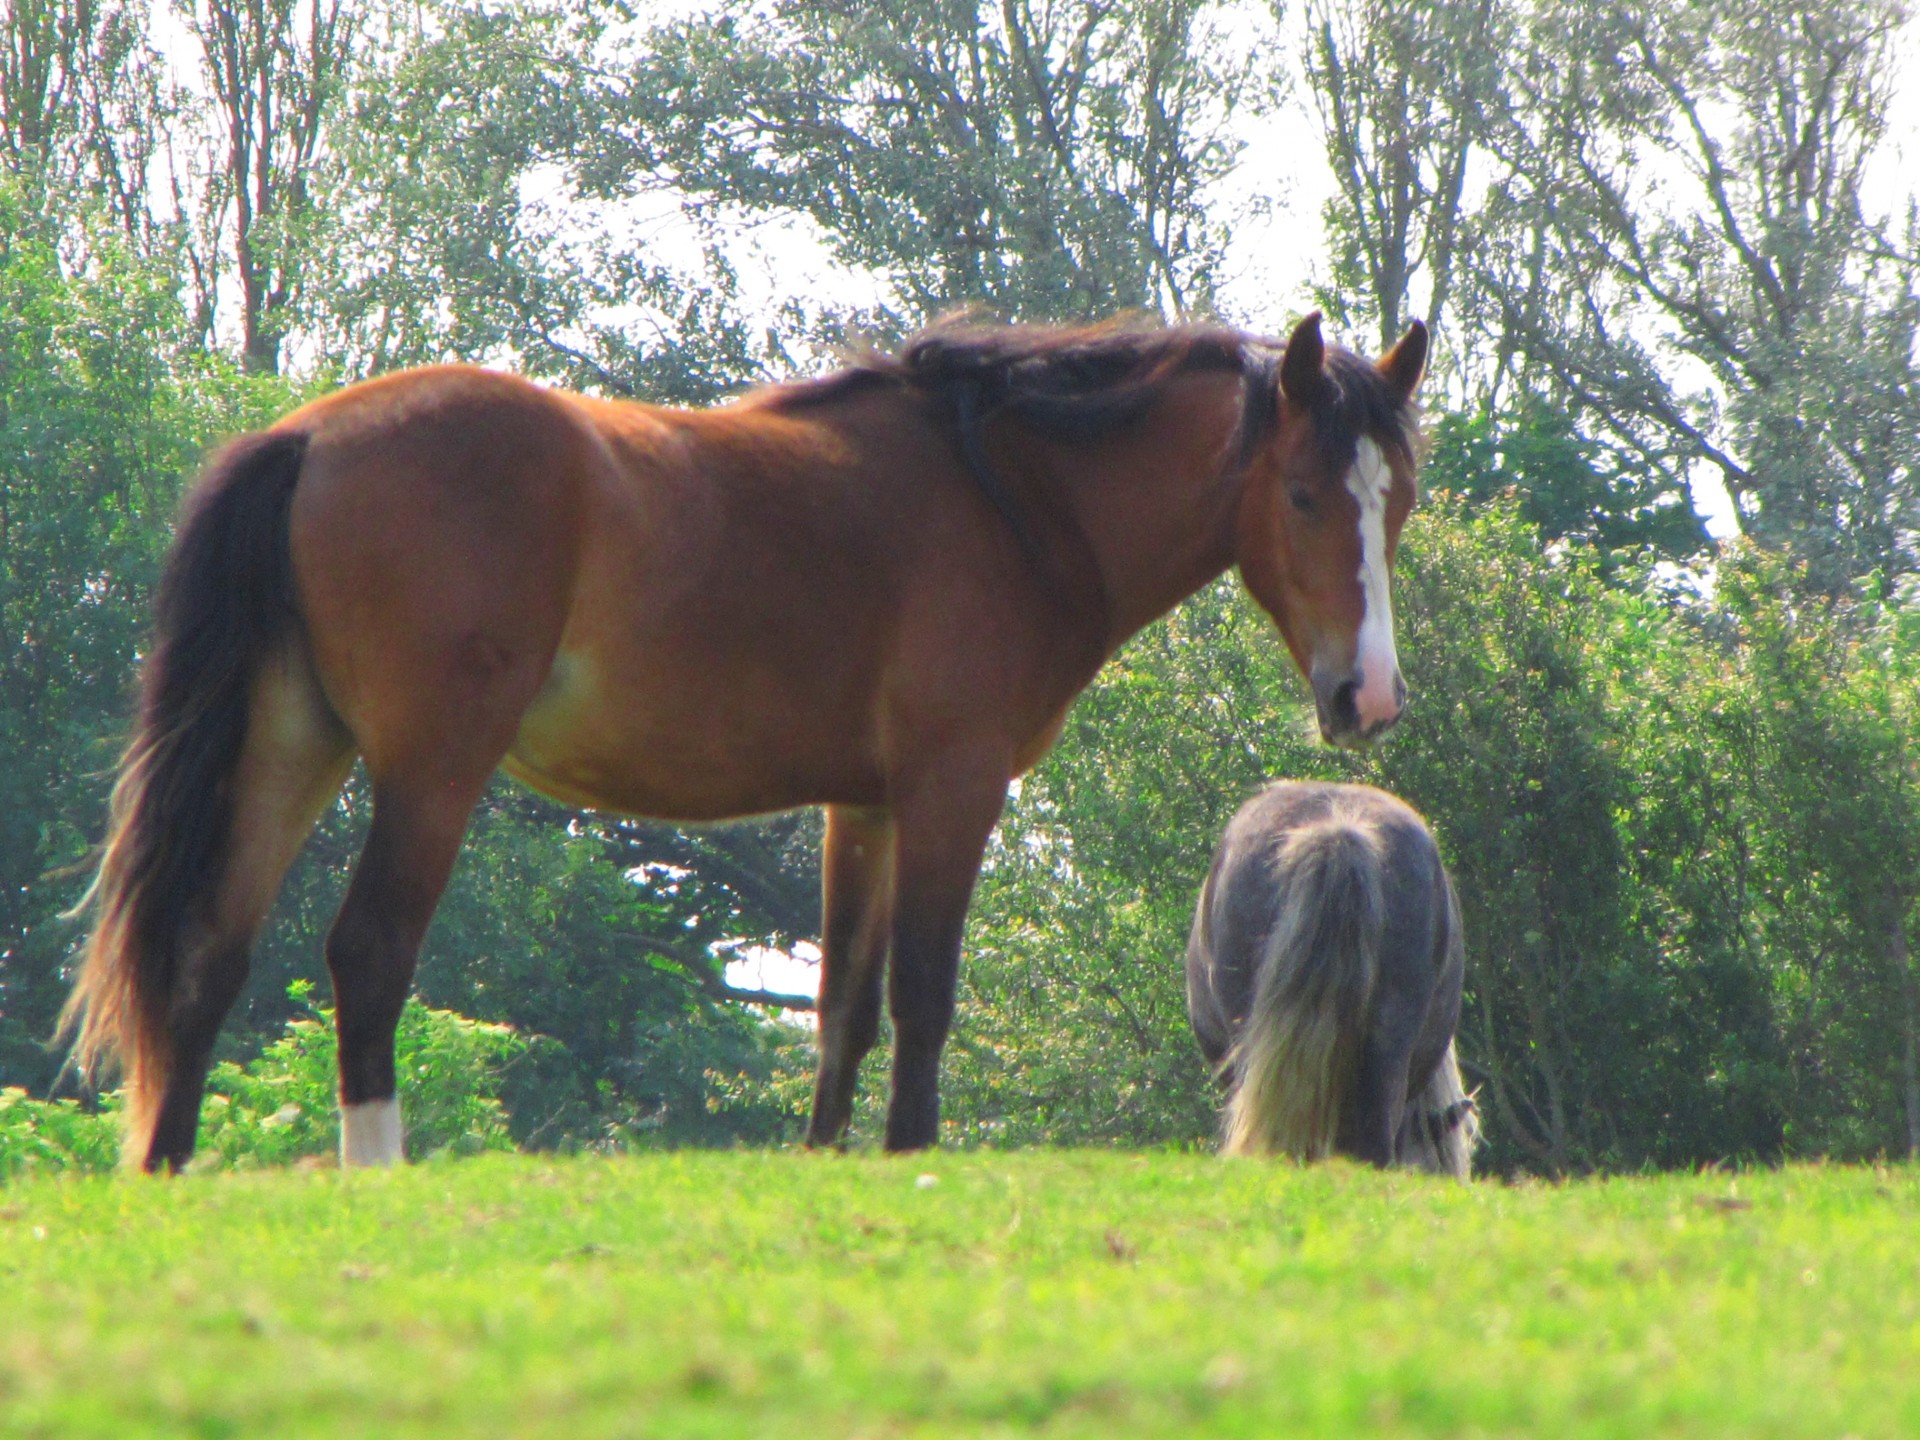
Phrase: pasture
x=1037 y=1292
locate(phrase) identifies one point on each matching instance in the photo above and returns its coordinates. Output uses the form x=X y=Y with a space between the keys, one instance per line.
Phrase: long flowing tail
x=224 y=601
x=1296 y=1054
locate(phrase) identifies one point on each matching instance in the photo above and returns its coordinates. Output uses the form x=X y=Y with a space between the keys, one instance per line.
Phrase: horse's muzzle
x=1354 y=715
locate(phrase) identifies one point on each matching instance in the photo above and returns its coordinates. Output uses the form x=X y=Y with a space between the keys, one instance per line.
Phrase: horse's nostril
x=1346 y=707
x=1399 y=693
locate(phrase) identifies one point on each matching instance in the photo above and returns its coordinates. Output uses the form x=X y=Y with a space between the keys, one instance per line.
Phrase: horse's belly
x=679 y=749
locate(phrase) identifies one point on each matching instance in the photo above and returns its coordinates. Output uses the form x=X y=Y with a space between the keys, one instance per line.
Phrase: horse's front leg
x=856 y=865
x=941 y=824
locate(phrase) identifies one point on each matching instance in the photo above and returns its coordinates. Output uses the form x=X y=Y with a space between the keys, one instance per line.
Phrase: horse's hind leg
x=855 y=904
x=296 y=757
x=418 y=823
x=1442 y=1124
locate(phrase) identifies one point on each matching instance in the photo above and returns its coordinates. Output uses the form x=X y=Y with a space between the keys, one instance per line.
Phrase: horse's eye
x=1302 y=499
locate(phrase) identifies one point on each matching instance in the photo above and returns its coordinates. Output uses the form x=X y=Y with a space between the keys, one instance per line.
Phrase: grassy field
x=1051 y=1293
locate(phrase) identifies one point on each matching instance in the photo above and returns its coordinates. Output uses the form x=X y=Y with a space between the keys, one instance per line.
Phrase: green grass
x=1075 y=1293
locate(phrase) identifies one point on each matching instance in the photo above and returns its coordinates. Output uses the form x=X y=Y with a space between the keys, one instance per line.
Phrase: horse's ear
x=1406 y=362
x=1301 y=378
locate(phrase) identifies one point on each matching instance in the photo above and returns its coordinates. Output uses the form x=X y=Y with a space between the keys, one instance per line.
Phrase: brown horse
x=878 y=592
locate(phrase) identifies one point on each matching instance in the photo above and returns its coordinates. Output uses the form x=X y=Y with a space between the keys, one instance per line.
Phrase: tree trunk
x=1902 y=959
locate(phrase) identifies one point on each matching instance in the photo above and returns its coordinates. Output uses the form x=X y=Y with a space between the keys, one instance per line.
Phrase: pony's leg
x=295 y=758
x=941 y=827
x=856 y=888
x=1371 y=1120
x=375 y=941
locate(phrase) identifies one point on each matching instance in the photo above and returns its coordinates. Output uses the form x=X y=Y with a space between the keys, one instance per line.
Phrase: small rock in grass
x=1224 y=1373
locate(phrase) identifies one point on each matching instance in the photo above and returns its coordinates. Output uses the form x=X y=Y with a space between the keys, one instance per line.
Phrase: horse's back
x=1241 y=893
x=686 y=613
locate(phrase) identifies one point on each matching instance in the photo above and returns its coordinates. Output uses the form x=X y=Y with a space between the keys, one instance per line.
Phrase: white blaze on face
x=370 y=1134
x=1370 y=481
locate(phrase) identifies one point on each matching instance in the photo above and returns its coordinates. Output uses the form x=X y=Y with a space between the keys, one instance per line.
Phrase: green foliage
x=1041 y=1293
x=1073 y=964
x=281 y=1106
x=1532 y=680
x=550 y=927
x=46 y=1135
x=1682 y=833
x=546 y=929
x=1569 y=486
x=1048 y=161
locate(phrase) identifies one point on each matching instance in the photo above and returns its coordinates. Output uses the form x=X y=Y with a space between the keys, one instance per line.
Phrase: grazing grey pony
x=1323 y=981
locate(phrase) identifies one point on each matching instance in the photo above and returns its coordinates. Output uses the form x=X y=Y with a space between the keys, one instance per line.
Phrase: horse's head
x=1320 y=518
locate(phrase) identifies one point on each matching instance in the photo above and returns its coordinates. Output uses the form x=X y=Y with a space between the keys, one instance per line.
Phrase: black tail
x=225 y=600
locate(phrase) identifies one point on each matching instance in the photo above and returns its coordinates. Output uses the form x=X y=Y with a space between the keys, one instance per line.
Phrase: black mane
x=1361 y=402
x=1077 y=383
x=1067 y=383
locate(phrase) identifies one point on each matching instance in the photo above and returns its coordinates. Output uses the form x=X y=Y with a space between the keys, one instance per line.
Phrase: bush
x=55 y=1134
x=281 y=1107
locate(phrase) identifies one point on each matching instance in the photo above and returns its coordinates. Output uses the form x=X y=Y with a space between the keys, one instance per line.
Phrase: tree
x=457 y=233
x=1411 y=99
x=107 y=404
x=1680 y=192
x=1403 y=93
x=1814 y=723
x=83 y=109
x=275 y=71
x=102 y=415
x=1684 y=820
x=1047 y=161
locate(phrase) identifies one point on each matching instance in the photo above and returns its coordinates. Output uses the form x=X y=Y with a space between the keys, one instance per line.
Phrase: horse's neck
x=1158 y=510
